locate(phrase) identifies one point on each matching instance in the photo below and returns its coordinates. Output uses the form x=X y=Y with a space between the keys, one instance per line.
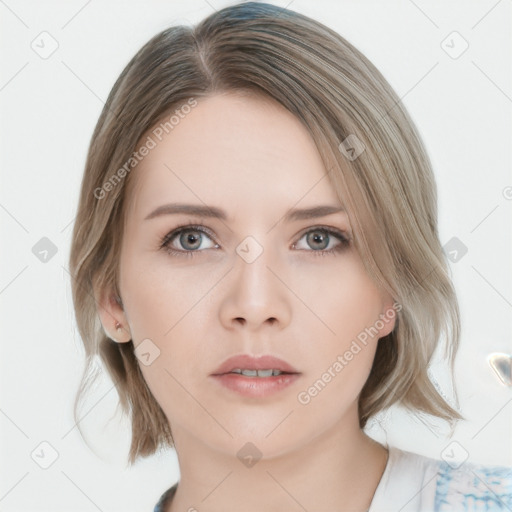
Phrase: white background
x=49 y=108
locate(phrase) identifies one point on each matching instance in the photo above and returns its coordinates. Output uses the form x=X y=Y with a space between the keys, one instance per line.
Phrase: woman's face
x=258 y=281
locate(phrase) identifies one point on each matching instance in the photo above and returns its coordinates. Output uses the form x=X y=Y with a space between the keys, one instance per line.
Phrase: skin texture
x=254 y=159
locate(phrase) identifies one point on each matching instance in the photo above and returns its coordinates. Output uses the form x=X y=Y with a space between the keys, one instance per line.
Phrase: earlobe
x=112 y=316
x=122 y=334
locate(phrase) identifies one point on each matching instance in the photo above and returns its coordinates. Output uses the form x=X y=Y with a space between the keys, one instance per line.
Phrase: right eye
x=190 y=238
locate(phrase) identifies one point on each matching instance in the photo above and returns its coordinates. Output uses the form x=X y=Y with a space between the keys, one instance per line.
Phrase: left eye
x=323 y=240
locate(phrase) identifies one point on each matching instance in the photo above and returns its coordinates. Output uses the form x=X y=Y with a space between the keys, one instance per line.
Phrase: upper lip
x=247 y=362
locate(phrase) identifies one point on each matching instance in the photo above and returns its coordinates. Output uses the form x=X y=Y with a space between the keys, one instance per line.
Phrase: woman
x=257 y=233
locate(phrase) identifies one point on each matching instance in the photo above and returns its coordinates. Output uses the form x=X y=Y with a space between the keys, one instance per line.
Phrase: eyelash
x=164 y=244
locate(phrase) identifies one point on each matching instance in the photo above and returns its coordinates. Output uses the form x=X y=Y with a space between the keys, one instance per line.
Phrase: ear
x=110 y=310
x=388 y=315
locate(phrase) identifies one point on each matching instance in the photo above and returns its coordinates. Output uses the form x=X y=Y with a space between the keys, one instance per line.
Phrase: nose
x=254 y=296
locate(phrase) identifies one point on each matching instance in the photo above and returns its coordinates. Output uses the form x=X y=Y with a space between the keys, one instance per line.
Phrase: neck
x=339 y=469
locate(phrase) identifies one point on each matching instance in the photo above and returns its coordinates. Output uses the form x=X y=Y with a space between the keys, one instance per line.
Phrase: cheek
x=170 y=309
x=156 y=296
x=348 y=305
x=344 y=299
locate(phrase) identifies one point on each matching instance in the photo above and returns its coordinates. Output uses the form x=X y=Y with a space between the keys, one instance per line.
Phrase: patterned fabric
x=414 y=483
x=474 y=487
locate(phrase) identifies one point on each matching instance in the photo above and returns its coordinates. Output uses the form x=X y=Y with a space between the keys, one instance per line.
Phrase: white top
x=414 y=483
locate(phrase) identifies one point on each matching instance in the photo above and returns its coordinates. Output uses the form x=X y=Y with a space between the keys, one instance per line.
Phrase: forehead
x=236 y=151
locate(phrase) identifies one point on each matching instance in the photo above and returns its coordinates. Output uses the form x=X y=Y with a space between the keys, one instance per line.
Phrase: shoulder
x=416 y=483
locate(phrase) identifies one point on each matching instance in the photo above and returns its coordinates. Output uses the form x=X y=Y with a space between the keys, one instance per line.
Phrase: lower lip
x=258 y=387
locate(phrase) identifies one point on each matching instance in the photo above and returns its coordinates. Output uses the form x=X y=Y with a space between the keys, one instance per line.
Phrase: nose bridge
x=254 y=279
x=254 y=295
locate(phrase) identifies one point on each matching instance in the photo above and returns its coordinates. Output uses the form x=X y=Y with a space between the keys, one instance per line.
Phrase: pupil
x=193 y=240
x=318 y=237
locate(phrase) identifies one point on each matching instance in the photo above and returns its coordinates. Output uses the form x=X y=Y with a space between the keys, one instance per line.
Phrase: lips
x=247 y=362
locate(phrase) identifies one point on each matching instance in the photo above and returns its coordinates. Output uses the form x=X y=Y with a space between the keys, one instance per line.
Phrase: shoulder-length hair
x=388 y=190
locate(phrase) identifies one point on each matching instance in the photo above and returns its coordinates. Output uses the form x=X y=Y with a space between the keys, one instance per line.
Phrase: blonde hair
x=388 y=191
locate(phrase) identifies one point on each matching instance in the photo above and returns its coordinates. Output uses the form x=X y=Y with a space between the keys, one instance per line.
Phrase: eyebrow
x=217 y=213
